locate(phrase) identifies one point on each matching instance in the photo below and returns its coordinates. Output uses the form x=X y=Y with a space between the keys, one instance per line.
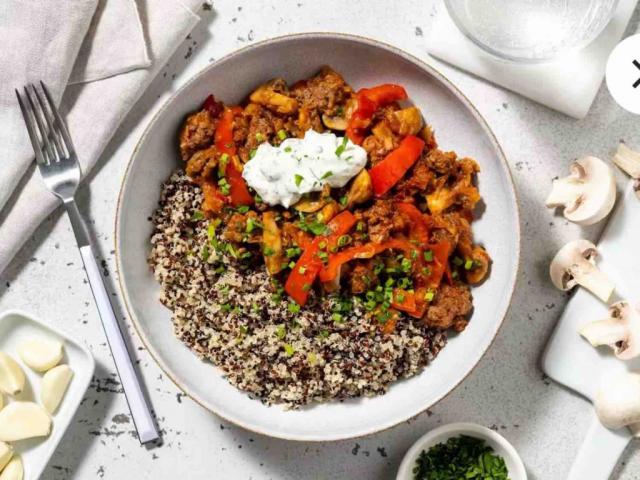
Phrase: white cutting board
x=573 y=362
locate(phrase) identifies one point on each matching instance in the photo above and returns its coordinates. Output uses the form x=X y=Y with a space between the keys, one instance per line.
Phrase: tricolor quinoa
x=234 y=315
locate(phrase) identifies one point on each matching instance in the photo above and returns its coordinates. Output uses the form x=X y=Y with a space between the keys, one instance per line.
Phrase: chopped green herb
x=428 y=255
x=344 y=200
x=293 y=307
x=293 y=252
x=205 y=252
x=288 y=149
x=462 y=457
x=454 y=274
x=457 y=261
x=289 y=349
x=259 y=137
x=268 y=251
x=298 y=179
x=344 y=240
x=252 y=153
x=197 y=215
x=429 y=296
x=282 y=134
x=252 y=224
x=258 y=198
x=324 y=256
x=224 y=186
x=326 y=175
x=222 y=164
x=469 y=264
x=323 y=333
x=342 y=146
x=306 y=287
x=360 y=227
x=336 y=317
x=243 y=209
x=405 y=265
x=281 y=331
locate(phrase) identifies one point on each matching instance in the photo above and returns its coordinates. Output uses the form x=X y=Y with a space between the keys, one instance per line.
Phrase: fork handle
x=140 y=411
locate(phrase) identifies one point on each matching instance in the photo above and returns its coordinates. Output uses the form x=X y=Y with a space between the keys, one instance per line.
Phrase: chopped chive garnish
x=197 y=215
x=281 y=332
x=291 y=264
x=268 y=251
x=289 y=349
x=428 y=255
x=302 y=270
x=344 y=200
x=326 y=175
x=252 y=153
x=342 y=146
x=288 y=149
x=259 y=137
x=344 y=240
x=282 y=134
x=457 y=261
x=429 y=295
x=468 y=265
x=298 y=179
x=293 y=307
x=336 y=317
x=306 y=287
x=205 y=252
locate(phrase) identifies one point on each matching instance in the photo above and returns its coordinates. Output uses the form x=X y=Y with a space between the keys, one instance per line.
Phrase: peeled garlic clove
x=13 y=471
x=39 y=354
x=6 y=452
x=21 y=420
x=11 y=375
x=54 y=386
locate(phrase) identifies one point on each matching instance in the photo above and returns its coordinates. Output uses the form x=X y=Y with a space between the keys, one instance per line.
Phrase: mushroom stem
x=628 y=160
x=593 y=280
x=565 y=192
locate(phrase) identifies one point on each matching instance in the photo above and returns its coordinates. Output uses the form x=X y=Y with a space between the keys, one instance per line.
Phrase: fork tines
x=47 y=131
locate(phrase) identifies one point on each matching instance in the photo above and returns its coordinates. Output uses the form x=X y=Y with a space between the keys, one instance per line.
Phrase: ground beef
x=323 y=92
x=361 y=277
x=450 y=307
x=197 y=133
x=417 y=181
x=442 y=162
x=382 y=219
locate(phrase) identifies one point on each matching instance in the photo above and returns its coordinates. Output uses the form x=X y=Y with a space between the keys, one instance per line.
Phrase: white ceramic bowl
x=363 y=63
x=496 y=441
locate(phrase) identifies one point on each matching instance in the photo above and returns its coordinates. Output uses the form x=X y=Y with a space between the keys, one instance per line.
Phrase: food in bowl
x=317 y=244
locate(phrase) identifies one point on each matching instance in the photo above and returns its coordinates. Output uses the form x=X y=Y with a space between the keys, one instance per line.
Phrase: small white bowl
x=441 y=434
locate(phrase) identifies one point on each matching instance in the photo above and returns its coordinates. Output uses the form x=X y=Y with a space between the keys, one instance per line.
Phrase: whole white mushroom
x=617 y=402
x=587 y=194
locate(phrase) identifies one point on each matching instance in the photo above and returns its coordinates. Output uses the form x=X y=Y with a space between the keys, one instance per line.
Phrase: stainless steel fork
x=59 y=168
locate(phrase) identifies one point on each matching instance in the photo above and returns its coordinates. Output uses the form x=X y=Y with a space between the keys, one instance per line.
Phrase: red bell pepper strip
x=369 y=100
x=238 y=190
x=440 y=264
x=386 y=173
x=309 y=264
x=420 y=222
x=403 y=300
x=332 y=269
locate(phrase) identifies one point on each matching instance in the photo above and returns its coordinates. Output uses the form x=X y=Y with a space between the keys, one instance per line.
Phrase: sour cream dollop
x=282 y=174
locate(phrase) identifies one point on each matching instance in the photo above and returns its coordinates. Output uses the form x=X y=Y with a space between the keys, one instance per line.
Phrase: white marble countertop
x=508 y=391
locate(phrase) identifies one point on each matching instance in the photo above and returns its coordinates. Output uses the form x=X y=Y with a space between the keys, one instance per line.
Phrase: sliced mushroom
x=629 y=161
x=361 y=189
x=620 y=331
x=587 y=194
x=382 y=132
x=278 y=102
x=407 y=121
x=340 y=121
x=617 y=402
x=575 y=265
x=314 y=202
x=271 y=242
x=328 y=212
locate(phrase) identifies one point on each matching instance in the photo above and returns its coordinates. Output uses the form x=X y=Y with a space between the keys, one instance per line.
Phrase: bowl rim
x=449 y=430
x=284 y=39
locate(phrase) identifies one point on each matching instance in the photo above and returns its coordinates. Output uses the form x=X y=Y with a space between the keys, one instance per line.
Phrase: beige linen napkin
x=95 y=109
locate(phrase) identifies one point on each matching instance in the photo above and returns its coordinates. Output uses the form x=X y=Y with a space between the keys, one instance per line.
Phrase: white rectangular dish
x=15 y=327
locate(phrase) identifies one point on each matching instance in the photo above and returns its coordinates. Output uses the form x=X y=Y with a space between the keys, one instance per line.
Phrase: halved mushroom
x=620 y=331
x=480 y=267
x=617 y=402
x=629 y=161
x=587 y=194
x=329 y=211
x=361 y=189
x=278 y=102
x=383 y=133
x=575 y=265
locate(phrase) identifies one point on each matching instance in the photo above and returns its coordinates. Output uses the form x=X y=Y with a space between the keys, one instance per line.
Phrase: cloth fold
x=93 y=109
x=568 y=85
